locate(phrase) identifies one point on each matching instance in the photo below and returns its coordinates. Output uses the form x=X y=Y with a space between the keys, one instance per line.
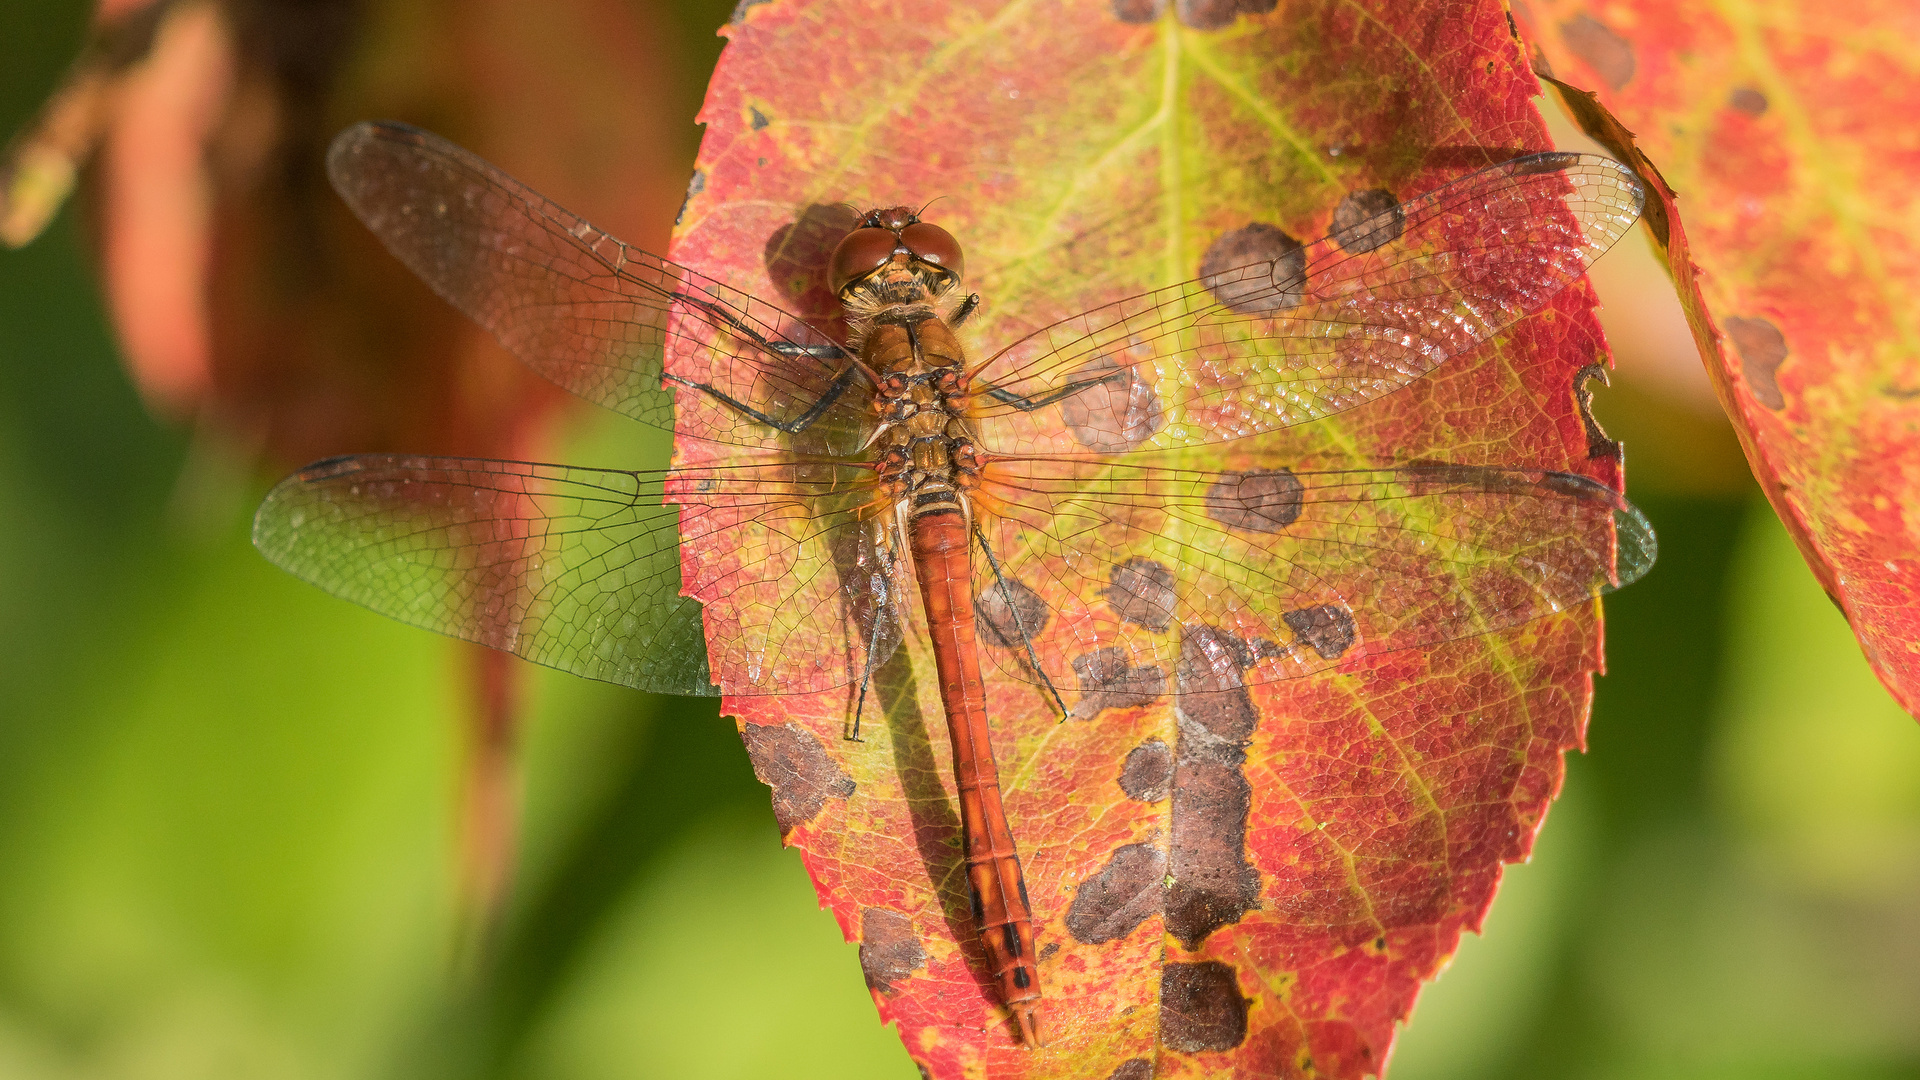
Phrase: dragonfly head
x=896 y=236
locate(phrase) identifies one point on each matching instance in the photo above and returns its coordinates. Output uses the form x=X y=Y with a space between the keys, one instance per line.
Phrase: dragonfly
x=1051 y=502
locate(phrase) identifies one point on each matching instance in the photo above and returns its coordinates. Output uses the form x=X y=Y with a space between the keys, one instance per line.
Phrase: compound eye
x=934 y=244
x=859 y=254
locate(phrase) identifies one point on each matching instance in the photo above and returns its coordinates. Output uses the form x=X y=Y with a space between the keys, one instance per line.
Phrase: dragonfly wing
x=1319 y=329
x=595 y=315
x=1105 y=567
x=580 y=569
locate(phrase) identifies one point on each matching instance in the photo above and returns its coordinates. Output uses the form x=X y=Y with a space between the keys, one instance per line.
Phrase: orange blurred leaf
x=1784 y=132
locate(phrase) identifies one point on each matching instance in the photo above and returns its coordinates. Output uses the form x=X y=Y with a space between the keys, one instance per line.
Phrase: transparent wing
x=600 y=318
x=1104 y=567
x=580 y=569
x=1303 y=333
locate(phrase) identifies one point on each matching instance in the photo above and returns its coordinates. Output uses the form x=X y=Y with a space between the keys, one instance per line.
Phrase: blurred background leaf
x=228 y=804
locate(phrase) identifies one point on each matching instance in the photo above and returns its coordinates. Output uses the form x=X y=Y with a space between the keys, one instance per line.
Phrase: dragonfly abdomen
x=941 y=554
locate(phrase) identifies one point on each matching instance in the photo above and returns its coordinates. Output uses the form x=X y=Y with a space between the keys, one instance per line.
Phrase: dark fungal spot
x=1255 y=269
x=789 y=759
x=889 y=950
x=1747 y=100
x=1048 y=950
x=1141 y=592
x=1607 y=53
x=1139 y=11
x=1133 y=1069
x=1599 y=447
x=756 y=119
x=1213 y=885
x=1108 y=680
x=1125 y=893
x=1264 y=502
x=695 y=186
x=1201 y=1007
x=1148 y=774
x=1013 y=614
x=1368 y=219
x=1216 y=14
x=1326 y=629
x=1762 y=350
x=1115 y=411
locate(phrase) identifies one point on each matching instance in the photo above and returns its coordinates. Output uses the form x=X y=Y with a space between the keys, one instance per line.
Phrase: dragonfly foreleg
x=1019 y=625
x=784 y=348
x=791 y=427
x=1028 y=404
x=965 y=311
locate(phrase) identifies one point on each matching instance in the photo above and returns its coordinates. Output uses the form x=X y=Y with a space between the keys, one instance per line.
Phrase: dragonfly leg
x=1029 y=404
x=965 y=311
x=1006 y=597
x=792 y=427
x=783 y=348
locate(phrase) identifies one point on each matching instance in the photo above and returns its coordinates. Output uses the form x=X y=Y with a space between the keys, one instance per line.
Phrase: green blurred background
x=227 y=802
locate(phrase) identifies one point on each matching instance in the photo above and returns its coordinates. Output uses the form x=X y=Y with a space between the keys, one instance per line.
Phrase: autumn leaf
x=1228 y=880
x=1781 y=130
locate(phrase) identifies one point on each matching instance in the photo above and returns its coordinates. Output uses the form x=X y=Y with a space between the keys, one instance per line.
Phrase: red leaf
x=1327 y=837
x=1798 y=268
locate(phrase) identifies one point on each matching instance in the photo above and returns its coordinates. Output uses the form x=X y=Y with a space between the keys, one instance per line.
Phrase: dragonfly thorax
x=926 y=457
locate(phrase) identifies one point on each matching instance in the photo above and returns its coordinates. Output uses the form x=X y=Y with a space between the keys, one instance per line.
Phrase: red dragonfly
x=1048 y=490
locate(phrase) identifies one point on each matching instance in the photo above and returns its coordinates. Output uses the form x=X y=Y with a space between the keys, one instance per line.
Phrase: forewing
x=588 y=311
x=579 y=569
x=1103 y=567
x=1319 y=329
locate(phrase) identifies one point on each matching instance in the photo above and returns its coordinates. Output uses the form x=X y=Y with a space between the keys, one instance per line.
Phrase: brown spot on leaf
x=1148 y=774
x=1215 y=14
x=1047 y=950
x=1013 y=614
x=1139 y=11
x=889 y=950
x=1201 y=1007
x=1254 y=270
x=1762 y=350
x=1368 y=219
x=1607 y=53
x=1326 y=629
x=1265 y=502
x=1747 y=100
x=1141 y=592
x=1213 y=885
x=1125 y=893
x=1108 y=680
x=1133 y=1069
x=789 y=759
x=1116 y=413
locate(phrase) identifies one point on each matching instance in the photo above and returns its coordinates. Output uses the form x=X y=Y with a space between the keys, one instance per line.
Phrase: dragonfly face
x=1057 y=488
x=897 y=235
